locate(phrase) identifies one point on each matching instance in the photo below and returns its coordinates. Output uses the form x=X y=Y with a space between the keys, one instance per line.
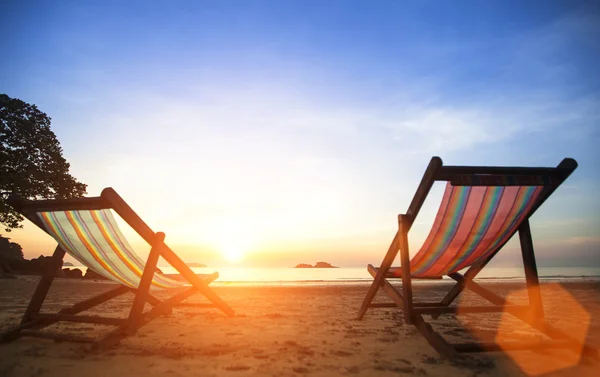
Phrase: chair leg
x=406 y=278
x=531 y=273
x=201 y=285
x=383 y=269
x=37 y=324
x=142 y=292
x=37 y=300
x=458 y=288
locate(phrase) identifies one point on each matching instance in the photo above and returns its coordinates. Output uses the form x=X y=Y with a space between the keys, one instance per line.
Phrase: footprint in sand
x=457 y=332
x=237 y=367
x=430 y=360
x=306 y=351
x=387 y=340
x=408 y=369
x=300 y=370
x=341 y=353
x=255 y=353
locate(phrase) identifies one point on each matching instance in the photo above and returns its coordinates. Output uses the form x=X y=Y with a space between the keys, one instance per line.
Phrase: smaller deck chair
x=86 y=229
x=481 y=209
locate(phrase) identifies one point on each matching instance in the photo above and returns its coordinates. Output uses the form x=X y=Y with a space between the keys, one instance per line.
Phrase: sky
x=285 y=132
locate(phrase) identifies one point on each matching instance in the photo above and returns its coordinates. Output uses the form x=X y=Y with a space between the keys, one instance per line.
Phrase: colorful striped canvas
x=94 y=239
x=472 y=223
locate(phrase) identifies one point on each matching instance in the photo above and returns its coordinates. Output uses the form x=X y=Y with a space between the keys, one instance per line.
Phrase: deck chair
x=481 y=209
x=86 y=229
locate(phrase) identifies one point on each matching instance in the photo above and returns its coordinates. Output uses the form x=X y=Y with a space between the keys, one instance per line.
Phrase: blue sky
x=296 y=130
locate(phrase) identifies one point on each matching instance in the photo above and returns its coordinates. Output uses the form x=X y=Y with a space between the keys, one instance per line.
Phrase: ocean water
x=252 y=275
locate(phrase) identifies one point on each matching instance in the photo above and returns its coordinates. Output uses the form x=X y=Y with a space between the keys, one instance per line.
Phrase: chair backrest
x=482 y=208
x=94 y=239
x=471 y=224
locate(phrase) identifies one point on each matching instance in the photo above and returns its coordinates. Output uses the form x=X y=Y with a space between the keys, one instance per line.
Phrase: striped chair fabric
x=94 y=239
x=471 y=224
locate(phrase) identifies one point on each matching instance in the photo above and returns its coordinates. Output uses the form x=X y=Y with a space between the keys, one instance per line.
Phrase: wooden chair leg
x=531 y=273
x=37 y=300
x=167 y=305
x=458 y=288
x=405 y=261
x=383 y=269
x=142 y=292
x=40 y=323
x=200 y=284
x=95 y=301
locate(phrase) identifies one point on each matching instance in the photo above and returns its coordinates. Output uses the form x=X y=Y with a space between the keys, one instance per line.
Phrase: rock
x=41 y=264
x=317 y=265
x=35 y=266
x=74 y=273
x=324 y=265
x=91 y=274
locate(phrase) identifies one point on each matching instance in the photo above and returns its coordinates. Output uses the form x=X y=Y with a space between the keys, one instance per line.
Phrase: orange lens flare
x=562 y=312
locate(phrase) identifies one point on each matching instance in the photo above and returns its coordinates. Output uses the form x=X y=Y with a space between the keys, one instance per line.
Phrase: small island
x=317 y=265
x=194 y=264
x=68 y=264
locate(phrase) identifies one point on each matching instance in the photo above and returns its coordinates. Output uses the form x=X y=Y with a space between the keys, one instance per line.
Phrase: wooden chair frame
x=33 y=321
x=414 y=310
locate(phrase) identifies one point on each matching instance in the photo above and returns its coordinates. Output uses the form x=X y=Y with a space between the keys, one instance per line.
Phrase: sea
x=359 y=275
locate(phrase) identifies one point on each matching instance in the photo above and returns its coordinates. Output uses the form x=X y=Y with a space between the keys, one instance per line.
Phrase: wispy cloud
x=443 y=128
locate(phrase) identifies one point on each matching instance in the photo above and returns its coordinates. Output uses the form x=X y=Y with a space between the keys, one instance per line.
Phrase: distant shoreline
x=194 y=264
x=355 y=275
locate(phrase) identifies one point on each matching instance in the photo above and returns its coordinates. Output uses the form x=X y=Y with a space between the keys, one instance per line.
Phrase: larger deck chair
x=481 y=209
x=86 y=229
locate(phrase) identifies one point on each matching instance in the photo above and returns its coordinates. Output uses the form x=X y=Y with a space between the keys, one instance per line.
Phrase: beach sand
x=292 y=331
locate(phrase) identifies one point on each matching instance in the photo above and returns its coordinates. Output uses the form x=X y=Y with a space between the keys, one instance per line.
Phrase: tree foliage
x=10 y=251
x=31 y=160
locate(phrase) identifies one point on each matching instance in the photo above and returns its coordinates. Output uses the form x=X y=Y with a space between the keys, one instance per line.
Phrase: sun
x=234 y=250
x=234 y=238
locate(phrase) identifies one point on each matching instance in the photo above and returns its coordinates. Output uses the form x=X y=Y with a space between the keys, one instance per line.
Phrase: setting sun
x=234 y=238
x=233 y=251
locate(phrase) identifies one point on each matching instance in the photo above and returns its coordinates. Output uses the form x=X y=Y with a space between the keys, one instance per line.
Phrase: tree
x=31 y=160
x=10 y=251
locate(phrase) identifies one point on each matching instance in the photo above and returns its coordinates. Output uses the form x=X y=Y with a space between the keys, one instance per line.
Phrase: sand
x=291 y=331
